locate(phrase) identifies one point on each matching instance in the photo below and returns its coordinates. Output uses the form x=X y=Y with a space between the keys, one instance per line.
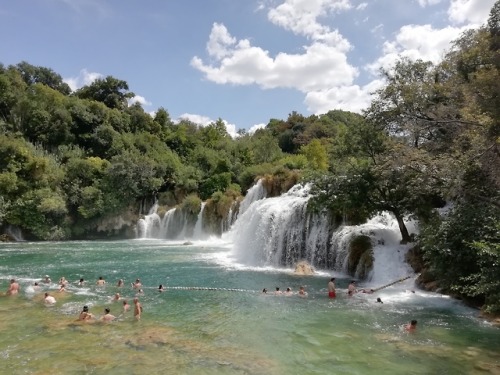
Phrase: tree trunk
x=402 y=228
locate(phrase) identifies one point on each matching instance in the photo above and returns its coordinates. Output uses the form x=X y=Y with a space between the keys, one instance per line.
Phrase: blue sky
x=245 y=61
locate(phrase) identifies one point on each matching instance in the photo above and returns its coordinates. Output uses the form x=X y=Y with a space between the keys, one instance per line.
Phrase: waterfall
x=149 y=226
x=255 y=193
x=15 y=232
x=279 y=232
x=198 y=232
x=176 y=224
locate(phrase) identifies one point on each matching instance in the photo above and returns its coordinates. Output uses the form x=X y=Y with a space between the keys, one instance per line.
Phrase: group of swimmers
x=85 y=315
x=351 y=290
x=301 y=293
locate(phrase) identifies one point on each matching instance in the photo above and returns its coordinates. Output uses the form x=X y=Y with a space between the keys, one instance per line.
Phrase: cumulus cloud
x=362 y=6
x=84 y=78
x=139 y=99
x=352 y=98
x=470 y=11
x=256 y=127
x=204 y=121
x=416 y=42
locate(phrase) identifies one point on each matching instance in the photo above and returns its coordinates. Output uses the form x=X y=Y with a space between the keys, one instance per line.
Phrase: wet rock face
x=360 y=260
x=304 y=268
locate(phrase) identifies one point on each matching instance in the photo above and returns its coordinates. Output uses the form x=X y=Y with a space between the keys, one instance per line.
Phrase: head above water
x=107 y=310
x=332 y=279
x=85 y=308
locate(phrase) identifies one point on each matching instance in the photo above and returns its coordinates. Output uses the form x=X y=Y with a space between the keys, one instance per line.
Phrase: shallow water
x=199 y=331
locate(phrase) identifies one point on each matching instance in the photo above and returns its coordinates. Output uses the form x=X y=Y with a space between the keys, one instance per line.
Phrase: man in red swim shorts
x=331 y=288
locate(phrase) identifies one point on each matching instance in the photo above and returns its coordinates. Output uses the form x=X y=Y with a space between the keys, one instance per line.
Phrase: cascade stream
x=279 y=232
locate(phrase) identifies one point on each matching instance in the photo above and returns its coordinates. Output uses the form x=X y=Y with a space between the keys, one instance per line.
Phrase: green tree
x=113 y=92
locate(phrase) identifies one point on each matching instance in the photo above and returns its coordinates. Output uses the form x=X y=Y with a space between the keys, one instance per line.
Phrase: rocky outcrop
x=303 y=268
x=360 y=260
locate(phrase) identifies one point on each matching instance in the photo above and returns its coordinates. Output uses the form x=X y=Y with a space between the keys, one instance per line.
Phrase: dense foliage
x=430 y=139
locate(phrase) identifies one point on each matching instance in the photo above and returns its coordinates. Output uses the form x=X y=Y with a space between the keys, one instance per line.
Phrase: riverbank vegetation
x=80 y=164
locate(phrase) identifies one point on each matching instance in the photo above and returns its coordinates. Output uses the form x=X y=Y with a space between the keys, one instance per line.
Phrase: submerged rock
x=304 y=268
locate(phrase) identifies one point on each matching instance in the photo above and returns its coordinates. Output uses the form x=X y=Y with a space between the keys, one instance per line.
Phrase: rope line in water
x=206 y=288
x=390 y=284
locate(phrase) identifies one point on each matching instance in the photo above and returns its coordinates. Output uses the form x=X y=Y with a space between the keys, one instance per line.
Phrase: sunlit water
x=199 y=331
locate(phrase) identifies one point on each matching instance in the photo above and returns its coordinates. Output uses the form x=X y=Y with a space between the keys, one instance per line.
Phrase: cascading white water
x=279 y=232
x=255 y=193
x=198 y=232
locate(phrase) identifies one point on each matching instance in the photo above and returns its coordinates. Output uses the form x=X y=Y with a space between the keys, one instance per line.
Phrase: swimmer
x=264 y=291
x=302 y=292
x=49 y=300
x=101 y=281
x=63 y=281
x=46 y=280
x=117 y=297
x=107 y=317
x=288 y=292
x=126 y=306
x=120 y=283
x=137 y=284
x=411 y=327
x=81 y=282
x=62 y=288
x=140 y=292
x=278 y=292
x=85 y=315
x=351 y=289
x=367 y=291
x=379 y=300
x=331 y=288
x=36 y=286
x=13 y=288
x=161 y=288
x=137 y=309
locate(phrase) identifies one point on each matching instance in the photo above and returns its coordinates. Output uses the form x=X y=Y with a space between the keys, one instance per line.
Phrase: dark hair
x=332 y=279
x=85 y=308
x=379 y=300
x=264 y=290
x=413 y=322
x=107 y=310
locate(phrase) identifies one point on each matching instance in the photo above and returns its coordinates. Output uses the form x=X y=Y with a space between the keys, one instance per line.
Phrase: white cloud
x=319 y=67
x=301 y=17
x=349 y=98
x=424 y=3
x=256 y=127
x=416 y=42
x=84 y=78
x=204 y=121
x=362 y=6
x=139 y=99
x=470 y=11
x=220 y=41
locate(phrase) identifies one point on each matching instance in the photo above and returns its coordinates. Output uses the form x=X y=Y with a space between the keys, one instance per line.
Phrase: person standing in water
x=107 y=317
x=85 y=315
x=137 y=309
x=331 y=288
x=126 y=306
x=13 y=288
x=351 y=289
x=101 y=281
x=49 y=300
x=302 y=292
x=411 y=327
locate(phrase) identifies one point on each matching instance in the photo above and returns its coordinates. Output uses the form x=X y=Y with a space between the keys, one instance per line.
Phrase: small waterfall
x=15 y=232
x=198 y=232
x=255 y=193
x=149 y=226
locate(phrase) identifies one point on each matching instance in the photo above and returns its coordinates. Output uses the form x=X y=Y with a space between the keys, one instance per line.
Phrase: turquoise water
x=192 y=331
